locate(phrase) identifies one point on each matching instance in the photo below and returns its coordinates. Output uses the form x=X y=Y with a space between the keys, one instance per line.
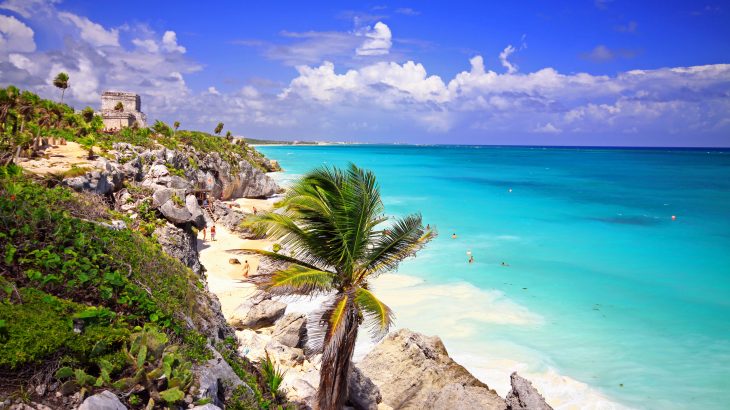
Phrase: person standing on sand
x=212 y=233
x=245 y=269
x=254 y=210
x=205 y=231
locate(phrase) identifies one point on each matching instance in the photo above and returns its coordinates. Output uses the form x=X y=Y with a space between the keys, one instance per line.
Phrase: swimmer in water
x=505 y=264
x=453 y=236
x=471 y=259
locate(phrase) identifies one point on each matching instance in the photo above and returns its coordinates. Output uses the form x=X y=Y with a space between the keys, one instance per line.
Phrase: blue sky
x=607 y=72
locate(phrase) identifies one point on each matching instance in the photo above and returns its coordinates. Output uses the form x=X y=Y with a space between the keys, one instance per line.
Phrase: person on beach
x=254 y=210
x=204 y=233
x=453 y=235
x=212 y=233
x=245 y=269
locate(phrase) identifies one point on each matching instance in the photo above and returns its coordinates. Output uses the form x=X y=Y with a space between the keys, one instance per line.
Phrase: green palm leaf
x=378 y=316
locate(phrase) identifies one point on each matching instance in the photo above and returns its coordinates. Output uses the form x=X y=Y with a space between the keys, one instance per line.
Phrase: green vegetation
x=25 y=118
x=330 y=219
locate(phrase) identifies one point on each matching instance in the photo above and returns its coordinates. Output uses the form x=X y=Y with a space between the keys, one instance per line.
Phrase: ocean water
x=607 y=301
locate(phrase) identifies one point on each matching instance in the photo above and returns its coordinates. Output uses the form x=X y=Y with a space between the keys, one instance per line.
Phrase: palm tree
x=218 y=128
x=175 y=126
x=331 y=223
x=61 y=81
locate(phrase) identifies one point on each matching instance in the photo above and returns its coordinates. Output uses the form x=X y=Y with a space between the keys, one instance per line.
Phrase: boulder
x=524 y=396
x=196 y=213
x=287 y=356
x=412 y=371
x=362 y=393
x=105 y=400
x=291 y=330
x=208 y=406
x=257 y=314
x=95 y=182
x=164 y=195
x=216 y=380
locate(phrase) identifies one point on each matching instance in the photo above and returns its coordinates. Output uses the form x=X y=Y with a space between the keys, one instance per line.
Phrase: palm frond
x=327 y=326
x=378 y=316
x=406 y=237
x=295 y=280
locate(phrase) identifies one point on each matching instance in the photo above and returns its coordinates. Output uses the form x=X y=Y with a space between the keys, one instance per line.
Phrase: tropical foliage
x=336 y=239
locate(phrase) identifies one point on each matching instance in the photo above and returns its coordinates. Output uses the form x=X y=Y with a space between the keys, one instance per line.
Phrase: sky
x=593 y=72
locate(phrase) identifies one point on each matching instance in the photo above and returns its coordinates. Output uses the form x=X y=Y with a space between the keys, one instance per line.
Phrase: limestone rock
x=208 y=406
x=291 y=330
x=257 y=314
x=95 y=182
x=363 y=394
x=181 y=244
x=412 y=370
x=105 y=400
x=285 y=355
x=216 y=380
x=524 y=396
x=196 y=213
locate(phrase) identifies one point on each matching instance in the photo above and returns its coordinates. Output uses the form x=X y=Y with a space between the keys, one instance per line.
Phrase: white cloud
x=94 y=33
x=148 y=44
x=212 y=90
x=503 y=58
x=15 y=36
x=378 y=41
x=548 y=128
x=169 y=43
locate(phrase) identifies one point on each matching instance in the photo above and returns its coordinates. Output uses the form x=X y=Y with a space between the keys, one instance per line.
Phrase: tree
x=88 y=114
x=218 y=128
x=119 y=106
x=61 y=81
x=331 y=225
x=175 y=126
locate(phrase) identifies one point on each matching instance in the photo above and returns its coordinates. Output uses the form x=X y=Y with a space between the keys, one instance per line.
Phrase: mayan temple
x=121 y=109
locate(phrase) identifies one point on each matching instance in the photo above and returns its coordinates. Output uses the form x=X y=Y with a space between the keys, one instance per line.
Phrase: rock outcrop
x=362 y=393
x=255 y=314
x=414 y=371
x=524 y=396
x=216 y=380
x=181 y=244
x=291 y=330
x=105 y=400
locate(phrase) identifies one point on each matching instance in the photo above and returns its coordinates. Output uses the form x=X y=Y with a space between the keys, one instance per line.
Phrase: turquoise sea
x=607 y=301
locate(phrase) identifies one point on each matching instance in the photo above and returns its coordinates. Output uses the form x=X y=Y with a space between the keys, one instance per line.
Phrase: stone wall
x=131 y=110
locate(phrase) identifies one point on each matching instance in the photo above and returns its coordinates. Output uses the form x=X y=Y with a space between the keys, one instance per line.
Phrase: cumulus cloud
x=91 y=32
x=602 y=54
x=15 y=36
x=378 y=41
x=169 y=43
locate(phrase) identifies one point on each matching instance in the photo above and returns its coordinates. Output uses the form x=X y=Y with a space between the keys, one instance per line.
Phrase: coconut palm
x=61 y=81
x=218 y=128
x=331 y=224
x=175 y=126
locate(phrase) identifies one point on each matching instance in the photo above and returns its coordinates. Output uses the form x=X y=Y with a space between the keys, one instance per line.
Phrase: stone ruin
x=131 y=112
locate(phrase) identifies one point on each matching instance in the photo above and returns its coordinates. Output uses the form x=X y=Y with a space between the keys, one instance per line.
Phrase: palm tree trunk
x=63 y=91
x=335 y=371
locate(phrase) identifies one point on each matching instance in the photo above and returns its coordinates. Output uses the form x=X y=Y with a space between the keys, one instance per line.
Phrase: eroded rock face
x=291 y=330
x=362 y=393
x=181 y=244
x=413 y=370
x=105 y=400
x=524 y=396
x=255 y=314
x=216 y=380
x=96 y=182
